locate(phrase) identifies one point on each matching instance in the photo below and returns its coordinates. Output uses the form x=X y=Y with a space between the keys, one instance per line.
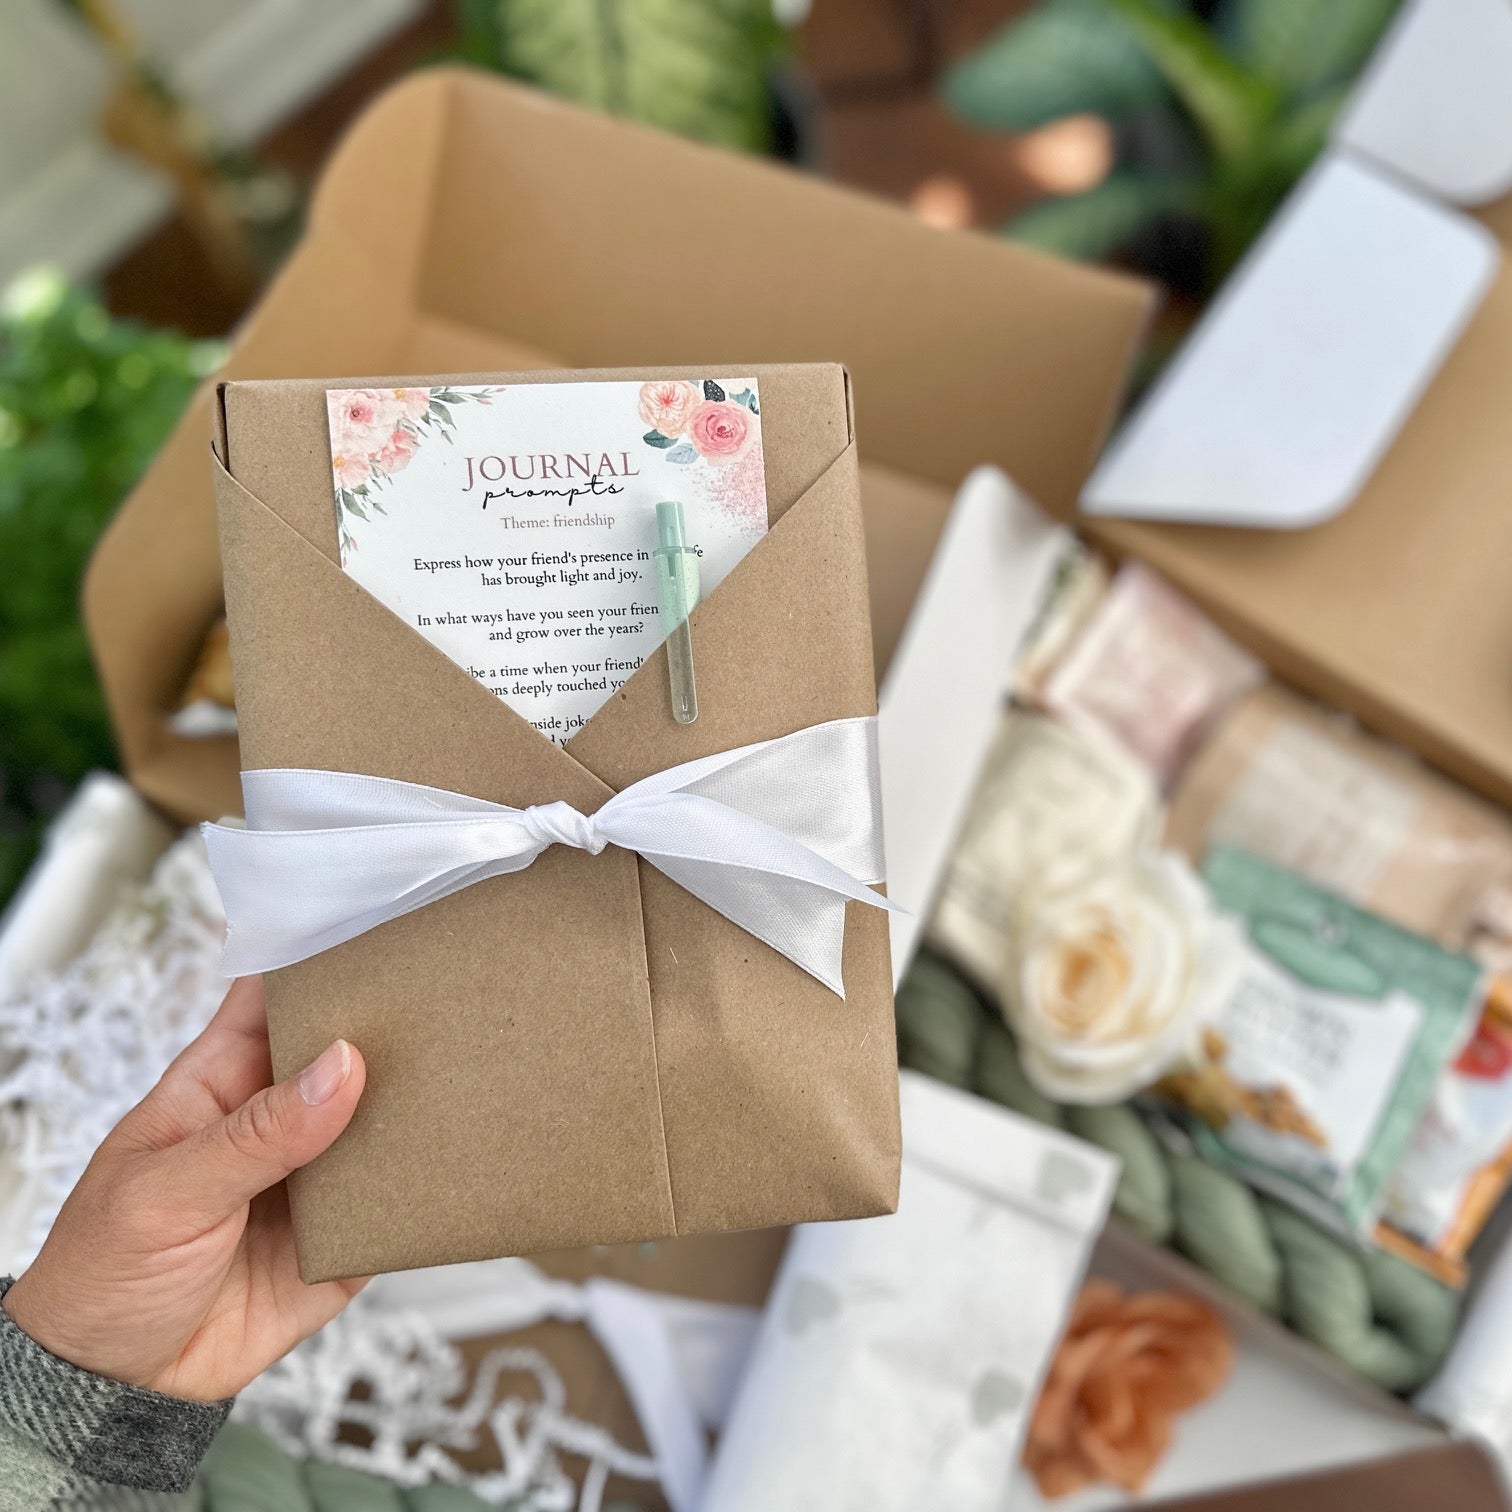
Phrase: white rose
x=1109 y=982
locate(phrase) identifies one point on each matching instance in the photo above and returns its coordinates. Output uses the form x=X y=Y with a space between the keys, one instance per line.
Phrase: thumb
x=226 y=1164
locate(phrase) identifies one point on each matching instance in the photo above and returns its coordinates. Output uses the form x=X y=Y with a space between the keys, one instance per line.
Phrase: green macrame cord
x=245 y=1471
x=1381 y=1316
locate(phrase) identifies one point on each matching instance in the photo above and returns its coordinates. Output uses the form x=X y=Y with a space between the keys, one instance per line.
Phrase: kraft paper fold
x=581 y=1053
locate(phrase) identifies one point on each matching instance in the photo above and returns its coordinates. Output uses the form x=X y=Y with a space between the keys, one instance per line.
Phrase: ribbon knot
x=560 y=824
x=776 y=836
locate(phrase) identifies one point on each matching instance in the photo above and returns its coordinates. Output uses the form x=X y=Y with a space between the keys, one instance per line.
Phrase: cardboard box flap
x=1285 y=398
x=1432 y=106
x=153 y=585
x=387 y=162
x=466 y=223
x=1297 y=381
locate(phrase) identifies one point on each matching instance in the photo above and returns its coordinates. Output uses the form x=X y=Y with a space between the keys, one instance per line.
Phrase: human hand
x=171 y=1265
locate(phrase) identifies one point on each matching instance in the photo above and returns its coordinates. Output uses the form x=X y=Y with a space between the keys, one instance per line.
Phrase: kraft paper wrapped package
x=581 y=1052
x=899 y=1359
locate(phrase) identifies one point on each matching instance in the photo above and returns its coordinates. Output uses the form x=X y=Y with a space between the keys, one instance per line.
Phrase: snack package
x=1460 y=1156
x=1054 y=806
x=1319 y=1068
x=1151 y=670
x=1282 y=779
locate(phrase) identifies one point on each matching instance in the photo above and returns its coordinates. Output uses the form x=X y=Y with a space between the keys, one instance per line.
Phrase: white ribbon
x=775 y=836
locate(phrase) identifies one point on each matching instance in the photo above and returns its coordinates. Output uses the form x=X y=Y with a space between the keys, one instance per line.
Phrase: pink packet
x=1151 y=670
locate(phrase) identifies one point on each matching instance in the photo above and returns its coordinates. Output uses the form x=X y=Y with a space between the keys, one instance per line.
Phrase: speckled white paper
x=900 y=1357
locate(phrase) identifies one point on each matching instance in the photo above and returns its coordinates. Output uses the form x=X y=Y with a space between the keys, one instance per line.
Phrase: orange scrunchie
x=1125 y=1368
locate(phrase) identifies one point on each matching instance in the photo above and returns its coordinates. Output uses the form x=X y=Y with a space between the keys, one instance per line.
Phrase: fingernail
x=322 y=1078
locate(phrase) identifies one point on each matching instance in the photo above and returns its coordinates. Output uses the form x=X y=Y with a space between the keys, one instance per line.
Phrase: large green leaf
x=697 y=67
x=1101 y=221
x=1231 y=106
x=1063 y=57
x=1304 y=45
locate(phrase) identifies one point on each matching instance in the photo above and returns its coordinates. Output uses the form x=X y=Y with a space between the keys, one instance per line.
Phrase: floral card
x=513 y=525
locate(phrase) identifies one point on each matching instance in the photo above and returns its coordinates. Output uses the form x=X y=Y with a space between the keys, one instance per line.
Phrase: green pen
x=677 y=588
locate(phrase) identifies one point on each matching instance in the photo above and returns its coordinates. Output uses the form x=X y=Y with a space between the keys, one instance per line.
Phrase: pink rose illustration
x=665 y=407
x=412 y=402
x=721 y=432
x=351 y=470
x=361 y=420
x=394 y=455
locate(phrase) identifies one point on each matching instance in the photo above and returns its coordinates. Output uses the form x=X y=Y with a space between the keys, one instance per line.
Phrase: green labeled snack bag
x=1327 y=1053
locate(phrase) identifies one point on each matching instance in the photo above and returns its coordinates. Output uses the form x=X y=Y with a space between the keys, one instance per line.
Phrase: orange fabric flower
x=1125 y=1368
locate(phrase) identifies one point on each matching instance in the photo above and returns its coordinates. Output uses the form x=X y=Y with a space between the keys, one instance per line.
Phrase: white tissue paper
x=104 y=842
x=899 y=1358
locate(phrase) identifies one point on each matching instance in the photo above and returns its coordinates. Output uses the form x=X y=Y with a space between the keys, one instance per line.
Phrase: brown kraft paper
x=582 y=1052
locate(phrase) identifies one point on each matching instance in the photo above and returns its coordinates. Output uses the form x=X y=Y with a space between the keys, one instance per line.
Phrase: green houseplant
x=85 y=401
x=1218 y=109
x=702 y=68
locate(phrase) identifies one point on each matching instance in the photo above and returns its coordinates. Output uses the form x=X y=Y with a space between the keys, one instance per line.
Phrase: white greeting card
x=513 y=526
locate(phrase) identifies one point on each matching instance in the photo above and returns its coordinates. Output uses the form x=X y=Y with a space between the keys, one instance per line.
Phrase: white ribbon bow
x=775 y=836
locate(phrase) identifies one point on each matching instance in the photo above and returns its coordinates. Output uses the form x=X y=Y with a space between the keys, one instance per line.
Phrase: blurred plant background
x=1213 y=115
x=85 y=401
x=702 y=68
x=1156 y=133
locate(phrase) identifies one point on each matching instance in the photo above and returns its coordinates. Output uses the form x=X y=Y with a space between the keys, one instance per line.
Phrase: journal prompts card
x=514 y=525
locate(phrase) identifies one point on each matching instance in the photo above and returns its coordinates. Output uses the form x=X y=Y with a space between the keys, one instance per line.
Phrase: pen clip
x=677 y=589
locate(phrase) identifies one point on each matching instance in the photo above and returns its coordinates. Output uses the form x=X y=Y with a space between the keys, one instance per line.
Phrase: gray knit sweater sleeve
x=69 y=1438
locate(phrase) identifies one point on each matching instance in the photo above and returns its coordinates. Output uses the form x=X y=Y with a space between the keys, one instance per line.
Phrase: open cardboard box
x=467 y=225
